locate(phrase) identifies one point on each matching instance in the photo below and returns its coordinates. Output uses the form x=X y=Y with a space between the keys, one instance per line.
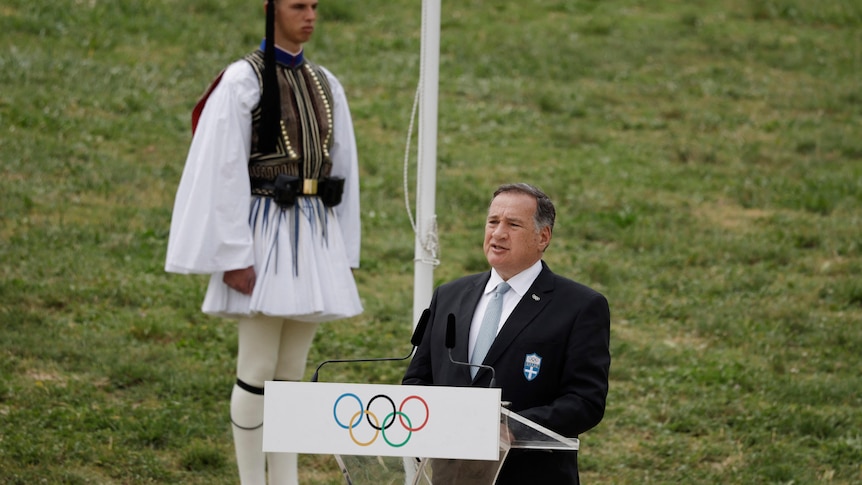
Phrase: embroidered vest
x=302 y=149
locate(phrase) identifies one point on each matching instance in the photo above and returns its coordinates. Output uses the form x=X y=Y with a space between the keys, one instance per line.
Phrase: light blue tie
x=488 y=330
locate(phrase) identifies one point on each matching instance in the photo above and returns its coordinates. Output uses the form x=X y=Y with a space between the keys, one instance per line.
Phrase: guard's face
x=511 y=241
x=294 y=22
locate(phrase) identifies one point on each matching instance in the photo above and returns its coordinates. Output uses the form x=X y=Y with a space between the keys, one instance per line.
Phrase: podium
x=410 y=435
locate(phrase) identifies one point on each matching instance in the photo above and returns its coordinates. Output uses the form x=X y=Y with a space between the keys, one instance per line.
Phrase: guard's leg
x=296 y=340
x=256 y=362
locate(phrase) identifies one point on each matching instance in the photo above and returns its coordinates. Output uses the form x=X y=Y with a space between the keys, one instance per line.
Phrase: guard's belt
x=286 y=188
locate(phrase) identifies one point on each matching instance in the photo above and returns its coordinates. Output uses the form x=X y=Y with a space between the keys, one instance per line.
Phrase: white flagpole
x=425 y=258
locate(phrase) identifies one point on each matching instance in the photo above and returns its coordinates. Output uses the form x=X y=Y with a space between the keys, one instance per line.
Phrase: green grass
x=705 y=159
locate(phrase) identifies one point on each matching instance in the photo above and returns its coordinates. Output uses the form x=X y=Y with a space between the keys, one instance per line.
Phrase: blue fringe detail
x=299 y=200
x=267 y=205
x=311 y=208
x=252 y=214
x=323 y=212
x=273 y=250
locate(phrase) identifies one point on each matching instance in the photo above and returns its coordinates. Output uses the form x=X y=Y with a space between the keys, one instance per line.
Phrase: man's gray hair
x=545 y=212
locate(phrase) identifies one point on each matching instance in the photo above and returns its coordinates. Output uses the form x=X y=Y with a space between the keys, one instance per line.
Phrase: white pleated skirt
x=301 y=265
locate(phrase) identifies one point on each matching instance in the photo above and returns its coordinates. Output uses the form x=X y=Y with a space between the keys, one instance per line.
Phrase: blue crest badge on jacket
x=532 y=363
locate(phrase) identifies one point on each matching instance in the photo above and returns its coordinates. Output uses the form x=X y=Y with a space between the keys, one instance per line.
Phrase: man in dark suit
x=549 y=339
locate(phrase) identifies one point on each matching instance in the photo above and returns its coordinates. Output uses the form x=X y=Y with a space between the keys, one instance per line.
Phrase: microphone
x=450 y=344
x=415 y=340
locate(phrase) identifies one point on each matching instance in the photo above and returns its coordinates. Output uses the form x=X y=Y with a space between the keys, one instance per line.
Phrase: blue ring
x=335 y=408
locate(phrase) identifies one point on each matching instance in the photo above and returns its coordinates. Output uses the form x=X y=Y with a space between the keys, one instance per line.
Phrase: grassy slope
x=704 y=157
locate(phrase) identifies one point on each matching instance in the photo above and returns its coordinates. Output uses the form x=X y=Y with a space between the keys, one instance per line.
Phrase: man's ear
x=545 y=238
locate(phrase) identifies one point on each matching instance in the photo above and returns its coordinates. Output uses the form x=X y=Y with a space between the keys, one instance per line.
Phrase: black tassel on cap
x=269 y=99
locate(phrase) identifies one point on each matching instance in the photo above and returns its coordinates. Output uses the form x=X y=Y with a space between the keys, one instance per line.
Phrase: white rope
x=431 y=242
x=407 y=157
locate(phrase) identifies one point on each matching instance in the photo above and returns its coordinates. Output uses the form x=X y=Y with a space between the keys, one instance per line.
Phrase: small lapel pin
x=536 y=297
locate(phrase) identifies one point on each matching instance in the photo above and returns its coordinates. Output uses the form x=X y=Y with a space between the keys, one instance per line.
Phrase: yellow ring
x=376 y=427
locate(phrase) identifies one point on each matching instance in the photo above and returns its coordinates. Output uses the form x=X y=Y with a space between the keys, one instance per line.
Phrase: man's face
x=294 y=23
x=511 y=241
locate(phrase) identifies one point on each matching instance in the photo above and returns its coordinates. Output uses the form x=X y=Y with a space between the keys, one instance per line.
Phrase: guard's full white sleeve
x=345 y=163
x=209 y=229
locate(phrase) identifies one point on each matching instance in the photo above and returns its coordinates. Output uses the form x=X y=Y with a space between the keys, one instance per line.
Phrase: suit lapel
x=537 y=297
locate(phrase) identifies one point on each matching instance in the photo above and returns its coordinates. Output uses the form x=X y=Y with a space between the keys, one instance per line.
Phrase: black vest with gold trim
x=302 y=149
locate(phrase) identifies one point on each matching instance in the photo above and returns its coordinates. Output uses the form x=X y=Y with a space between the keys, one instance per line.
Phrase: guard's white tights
x=269 y=349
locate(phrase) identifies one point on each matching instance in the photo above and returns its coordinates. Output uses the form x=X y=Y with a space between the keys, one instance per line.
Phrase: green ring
x=409 y=433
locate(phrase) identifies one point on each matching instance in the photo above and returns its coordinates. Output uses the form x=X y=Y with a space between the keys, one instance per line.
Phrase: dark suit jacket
x=567 y=325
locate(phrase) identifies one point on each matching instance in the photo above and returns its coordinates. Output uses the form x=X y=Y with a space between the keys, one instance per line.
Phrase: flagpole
x=425 y=257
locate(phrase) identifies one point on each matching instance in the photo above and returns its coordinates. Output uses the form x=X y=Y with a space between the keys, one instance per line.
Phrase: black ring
x=394 y=410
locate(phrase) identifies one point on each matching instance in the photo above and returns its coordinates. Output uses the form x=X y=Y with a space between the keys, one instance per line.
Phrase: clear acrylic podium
x=516 y=432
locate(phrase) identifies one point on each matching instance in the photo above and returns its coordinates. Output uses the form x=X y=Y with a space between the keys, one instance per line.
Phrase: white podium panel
x=382 y=420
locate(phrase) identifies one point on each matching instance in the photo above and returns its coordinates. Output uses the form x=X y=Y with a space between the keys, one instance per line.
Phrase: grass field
x=705 y=158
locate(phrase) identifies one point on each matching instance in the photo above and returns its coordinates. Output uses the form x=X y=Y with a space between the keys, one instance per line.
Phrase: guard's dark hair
x=270 y=100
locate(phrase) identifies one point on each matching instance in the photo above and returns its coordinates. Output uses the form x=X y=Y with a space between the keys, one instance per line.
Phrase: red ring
x=401 y=410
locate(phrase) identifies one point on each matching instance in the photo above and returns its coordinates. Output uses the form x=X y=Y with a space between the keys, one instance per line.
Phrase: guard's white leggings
x=269 y=349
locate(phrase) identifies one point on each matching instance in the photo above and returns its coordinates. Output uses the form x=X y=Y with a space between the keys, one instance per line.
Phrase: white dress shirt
x=520 y=284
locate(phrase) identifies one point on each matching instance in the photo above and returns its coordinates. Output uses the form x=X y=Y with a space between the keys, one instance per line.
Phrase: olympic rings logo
x=343 y=409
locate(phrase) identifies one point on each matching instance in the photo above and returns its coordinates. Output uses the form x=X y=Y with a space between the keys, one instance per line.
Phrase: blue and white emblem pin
x=532 y=364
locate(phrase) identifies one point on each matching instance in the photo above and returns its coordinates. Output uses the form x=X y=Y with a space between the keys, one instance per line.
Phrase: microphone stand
x=415 y=341
x=450 y=344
